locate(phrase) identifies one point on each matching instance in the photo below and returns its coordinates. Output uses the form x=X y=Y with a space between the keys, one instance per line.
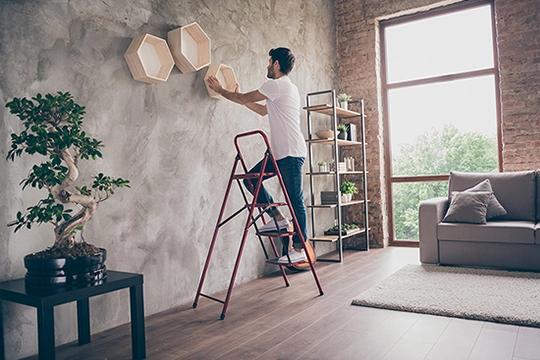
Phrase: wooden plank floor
x=267 y=320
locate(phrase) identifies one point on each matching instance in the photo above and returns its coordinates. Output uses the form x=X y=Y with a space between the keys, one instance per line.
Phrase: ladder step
x=276 y=234
x=275 y=262
x=253 y=175
x=263 y=205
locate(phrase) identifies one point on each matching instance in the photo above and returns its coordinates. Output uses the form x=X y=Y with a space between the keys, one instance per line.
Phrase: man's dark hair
x=285 y=58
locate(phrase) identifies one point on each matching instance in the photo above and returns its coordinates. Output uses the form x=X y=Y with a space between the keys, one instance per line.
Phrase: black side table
x=44 y=302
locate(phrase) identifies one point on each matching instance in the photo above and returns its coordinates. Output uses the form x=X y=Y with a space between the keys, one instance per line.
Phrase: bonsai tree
x=52 y=127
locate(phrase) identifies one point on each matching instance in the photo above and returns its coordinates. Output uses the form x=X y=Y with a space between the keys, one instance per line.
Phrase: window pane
x=407 y=197
x=440 y=45
x=443 y=127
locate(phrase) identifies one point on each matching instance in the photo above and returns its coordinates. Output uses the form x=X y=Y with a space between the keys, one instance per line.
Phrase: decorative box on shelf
x=351 y=131
x=224 y=74
x=149 y=59
x=190 y=47
x=329 y=197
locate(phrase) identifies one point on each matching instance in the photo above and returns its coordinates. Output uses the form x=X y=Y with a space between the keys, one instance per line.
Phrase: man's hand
x=214 y=84
x=248 y=99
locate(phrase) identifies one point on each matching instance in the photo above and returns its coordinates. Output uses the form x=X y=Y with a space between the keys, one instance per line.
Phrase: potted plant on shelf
x=342 y=128
x=52 y=129
x=347 y=190
x=344 y=100
x=346 y=229
x=323 y=166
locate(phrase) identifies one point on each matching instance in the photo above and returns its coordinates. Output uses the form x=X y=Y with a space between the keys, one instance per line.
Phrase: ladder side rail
x=244 y=237
x=295 y=220
x=261 y=213
x=265 y=160
x=216 y=230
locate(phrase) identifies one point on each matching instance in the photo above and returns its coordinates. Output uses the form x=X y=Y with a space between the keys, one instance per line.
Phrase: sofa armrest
x=430 y=213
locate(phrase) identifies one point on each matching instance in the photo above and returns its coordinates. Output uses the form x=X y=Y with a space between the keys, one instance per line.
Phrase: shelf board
x=327 y=109
x=331 y=142
x=333 y=173
x=334 y=238
x=349 y=233
x=325 y=238
x=331 y=206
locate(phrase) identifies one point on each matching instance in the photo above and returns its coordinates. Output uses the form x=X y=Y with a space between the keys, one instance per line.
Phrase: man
x=287 y=141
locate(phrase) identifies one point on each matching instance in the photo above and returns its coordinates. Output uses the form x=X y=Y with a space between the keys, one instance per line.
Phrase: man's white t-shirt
x=283 y=106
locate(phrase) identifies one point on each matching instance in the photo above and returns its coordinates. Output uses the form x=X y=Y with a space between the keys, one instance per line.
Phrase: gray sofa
x=452 y=231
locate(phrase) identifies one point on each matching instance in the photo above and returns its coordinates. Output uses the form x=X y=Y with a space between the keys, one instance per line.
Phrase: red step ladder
x=251 y=221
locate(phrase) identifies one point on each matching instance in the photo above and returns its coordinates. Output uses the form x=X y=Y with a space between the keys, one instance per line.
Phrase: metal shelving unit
x=336 y=115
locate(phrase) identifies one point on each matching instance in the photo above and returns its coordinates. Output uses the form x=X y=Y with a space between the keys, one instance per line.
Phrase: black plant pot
x=66 y=272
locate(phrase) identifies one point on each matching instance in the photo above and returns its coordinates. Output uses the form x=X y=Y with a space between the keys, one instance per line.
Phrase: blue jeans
x=291 y=173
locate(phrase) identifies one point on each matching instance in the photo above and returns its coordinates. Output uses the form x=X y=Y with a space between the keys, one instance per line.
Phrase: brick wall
x=518 y=29
x=518 y=32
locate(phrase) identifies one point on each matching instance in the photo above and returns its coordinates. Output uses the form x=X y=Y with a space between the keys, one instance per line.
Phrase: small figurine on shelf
x=323 y=166
x=332 y=166
x=344 y=99
x=342 y=128
x=349 y=161
x=347 y=190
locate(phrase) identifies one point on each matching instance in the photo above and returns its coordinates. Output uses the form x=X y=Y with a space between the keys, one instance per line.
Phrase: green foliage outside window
x=436 y=153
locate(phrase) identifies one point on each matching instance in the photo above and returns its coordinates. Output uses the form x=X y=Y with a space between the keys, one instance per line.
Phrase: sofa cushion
x=494 y=208
x=468 y=207
x=499 y=231
x=515 y=191
x=537 y=237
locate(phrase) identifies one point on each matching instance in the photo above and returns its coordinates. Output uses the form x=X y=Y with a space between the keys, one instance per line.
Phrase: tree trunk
x=65 y=232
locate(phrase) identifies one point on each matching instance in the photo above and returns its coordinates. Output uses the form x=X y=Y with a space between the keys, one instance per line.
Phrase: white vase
x=344 y=105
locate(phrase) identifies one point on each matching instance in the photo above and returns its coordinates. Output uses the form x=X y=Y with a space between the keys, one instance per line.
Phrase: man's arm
x=258 y=108
x=248 y=99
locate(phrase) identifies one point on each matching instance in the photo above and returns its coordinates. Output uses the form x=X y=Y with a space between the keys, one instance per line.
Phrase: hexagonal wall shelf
x=190 y=47
x=225 y=75
x=149 y=59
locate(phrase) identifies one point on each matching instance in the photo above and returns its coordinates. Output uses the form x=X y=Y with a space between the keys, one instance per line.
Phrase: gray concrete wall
x=172 y=140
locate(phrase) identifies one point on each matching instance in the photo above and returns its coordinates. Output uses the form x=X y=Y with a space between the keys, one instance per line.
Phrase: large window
x=441 y=102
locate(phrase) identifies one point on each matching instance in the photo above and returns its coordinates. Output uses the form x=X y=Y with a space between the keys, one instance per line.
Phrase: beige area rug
x=508 y=297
